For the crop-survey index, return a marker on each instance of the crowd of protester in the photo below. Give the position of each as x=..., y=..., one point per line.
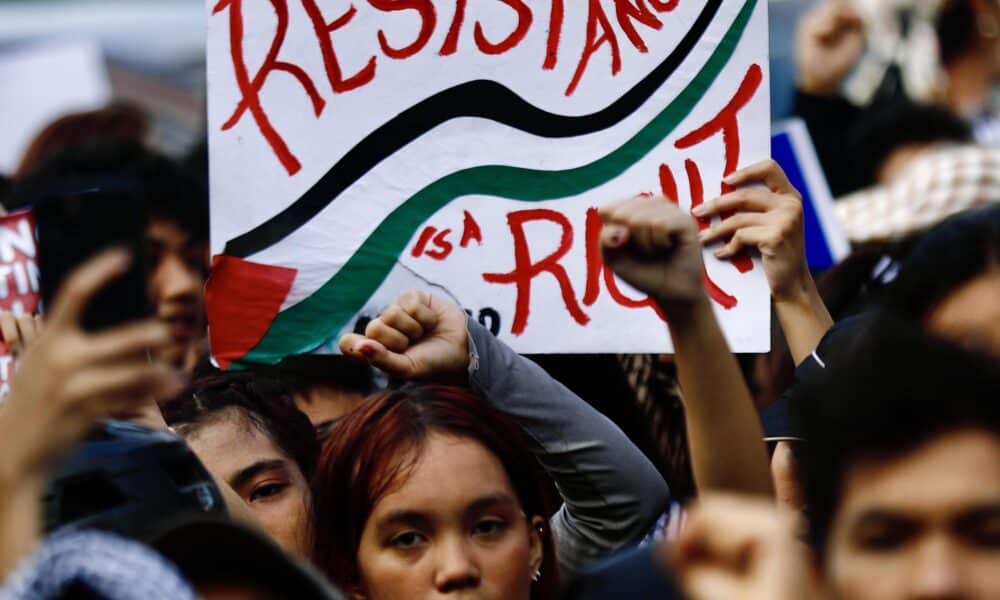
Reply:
x=860, y=459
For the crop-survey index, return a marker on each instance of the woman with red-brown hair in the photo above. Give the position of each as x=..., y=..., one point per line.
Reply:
x=429, y=491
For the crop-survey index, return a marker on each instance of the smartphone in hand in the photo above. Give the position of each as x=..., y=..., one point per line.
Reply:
x=77, y=223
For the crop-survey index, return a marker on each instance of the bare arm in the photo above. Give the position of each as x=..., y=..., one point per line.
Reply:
x=653, y=245
x=724, y=433
x=804, y=320
x=20, y=502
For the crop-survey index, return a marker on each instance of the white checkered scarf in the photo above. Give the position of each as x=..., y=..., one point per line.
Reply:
x=931, y=188
x=112, y=567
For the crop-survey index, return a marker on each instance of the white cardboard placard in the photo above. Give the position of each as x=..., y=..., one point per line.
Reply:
x=458, y=146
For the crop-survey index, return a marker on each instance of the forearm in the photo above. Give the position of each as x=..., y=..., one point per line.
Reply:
x=804, y=319
x=21, y=523
x=20, y=500
x=724, y=433
x=612, y=493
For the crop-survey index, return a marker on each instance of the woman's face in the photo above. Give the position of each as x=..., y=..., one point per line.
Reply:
x=454, y=529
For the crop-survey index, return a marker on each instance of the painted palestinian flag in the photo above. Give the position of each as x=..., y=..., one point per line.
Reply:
x=361, y=149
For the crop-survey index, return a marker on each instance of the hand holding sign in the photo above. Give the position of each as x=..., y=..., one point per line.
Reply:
x=653, y=245
x=69, y=378
x=768, y=217
x=417, y=337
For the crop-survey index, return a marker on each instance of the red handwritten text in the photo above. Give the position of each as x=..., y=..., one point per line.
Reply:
x=600, y=32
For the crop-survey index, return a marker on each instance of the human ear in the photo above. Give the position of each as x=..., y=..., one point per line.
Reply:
x=536, y=553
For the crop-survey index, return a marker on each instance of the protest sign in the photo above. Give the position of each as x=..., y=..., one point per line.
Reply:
x=42, y=83
x=361, y=149
x=19, y=278
x=792, y=148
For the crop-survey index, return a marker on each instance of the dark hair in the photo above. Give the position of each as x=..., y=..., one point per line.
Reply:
x=304, y=372
x=897, y=123
x=263, y=401
x=118, y=121
x=379, y=443
x=196, y=160
x=956, y=29
x=946, y=257
x=883, y=394
x=170, y=190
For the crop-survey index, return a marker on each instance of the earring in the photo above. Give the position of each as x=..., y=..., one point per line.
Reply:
x=537, y=575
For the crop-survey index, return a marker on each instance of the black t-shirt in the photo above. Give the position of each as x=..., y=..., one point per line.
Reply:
x=775, y=419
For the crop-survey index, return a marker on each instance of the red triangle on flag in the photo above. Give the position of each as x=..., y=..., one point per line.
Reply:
x=242, y=299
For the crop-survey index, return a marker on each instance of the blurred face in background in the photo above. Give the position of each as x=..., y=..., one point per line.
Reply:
x=238, y=453
x=326, y=405
x=970, y=315
x=923, y=525
x=895, y=164
x=177, y=271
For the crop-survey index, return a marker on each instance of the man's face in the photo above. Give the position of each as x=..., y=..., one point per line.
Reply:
x=921, y=526
x=239, y=454
x=178, y=265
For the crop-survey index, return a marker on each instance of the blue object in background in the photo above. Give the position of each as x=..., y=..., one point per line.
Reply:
x=792, y=148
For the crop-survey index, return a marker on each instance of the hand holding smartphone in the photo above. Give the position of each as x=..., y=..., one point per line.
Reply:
x=78, y=222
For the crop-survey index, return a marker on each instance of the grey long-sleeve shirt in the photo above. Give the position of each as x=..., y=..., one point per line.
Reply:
x=611, y=493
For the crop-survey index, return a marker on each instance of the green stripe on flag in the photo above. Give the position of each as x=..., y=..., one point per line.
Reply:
x=316, y=319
